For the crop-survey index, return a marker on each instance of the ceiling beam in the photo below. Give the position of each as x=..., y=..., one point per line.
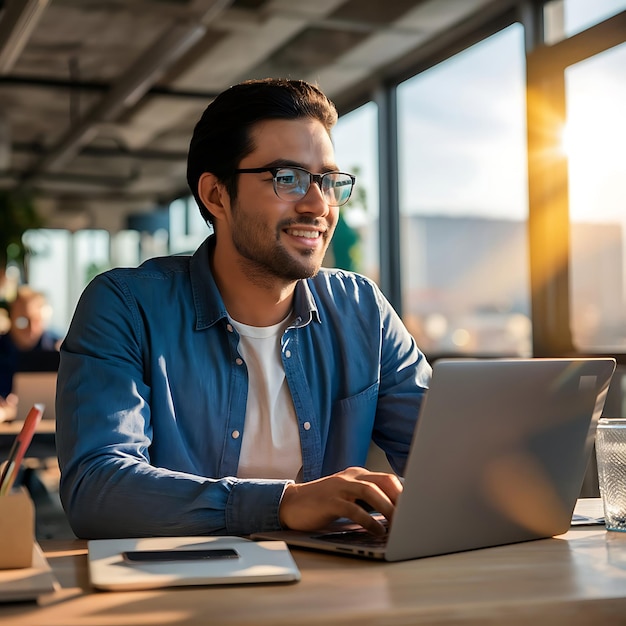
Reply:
x=108, y=152
x=45, y=82
x=18, y=22
x=130, y=88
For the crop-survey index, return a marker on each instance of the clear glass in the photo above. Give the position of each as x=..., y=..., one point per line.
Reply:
x=611, y=458
x=594, y=141
x=355, y=245
x=564, y=18
x=464, y=201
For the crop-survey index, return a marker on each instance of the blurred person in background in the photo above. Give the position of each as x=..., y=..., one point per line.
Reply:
x=27, y=345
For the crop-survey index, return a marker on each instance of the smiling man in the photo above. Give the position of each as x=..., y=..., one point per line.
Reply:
x=238, y=390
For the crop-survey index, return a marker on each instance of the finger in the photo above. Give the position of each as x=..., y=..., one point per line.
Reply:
x=372, y=495
x=388, y=483
x=357, y=514
x=11, y=399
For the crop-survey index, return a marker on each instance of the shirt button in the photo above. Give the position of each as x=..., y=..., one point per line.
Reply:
x=306, y=425
x=288, y=353
x=239, y=361
x=229, y=328
x=235, y=434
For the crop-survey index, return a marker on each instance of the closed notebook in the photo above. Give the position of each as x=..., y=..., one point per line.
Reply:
x=220, y=561
x=28, y=583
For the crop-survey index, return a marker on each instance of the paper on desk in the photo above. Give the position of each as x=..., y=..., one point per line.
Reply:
x=259, y=562
x=588, y=511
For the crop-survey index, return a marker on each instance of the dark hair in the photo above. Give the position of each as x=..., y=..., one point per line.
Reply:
x=221, y=138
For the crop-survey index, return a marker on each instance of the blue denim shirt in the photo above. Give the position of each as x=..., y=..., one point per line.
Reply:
x=152, y=395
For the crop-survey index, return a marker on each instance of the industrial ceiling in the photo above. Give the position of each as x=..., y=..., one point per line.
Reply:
x=98, y=98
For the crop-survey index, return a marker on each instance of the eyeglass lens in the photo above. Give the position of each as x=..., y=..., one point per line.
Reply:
x=293, y=184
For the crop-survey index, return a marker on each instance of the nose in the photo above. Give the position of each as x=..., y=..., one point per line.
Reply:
x=314, y=201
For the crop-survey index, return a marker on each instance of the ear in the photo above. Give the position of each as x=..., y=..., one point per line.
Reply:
x=213, y=195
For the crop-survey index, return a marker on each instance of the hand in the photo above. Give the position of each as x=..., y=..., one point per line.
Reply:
x=8, y=407
x=313, y=505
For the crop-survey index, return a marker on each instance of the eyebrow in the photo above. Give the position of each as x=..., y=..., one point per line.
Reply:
x=288, y=163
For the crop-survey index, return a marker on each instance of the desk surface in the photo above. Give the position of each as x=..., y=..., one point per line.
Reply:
x=576, y=578
x=45, y=427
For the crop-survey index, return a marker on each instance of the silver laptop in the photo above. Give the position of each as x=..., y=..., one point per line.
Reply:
x=35, y=388
x=498, y=456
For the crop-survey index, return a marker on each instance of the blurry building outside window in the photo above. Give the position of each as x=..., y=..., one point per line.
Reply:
x=464, y=201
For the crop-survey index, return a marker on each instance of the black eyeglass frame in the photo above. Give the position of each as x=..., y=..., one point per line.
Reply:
x=313, y=178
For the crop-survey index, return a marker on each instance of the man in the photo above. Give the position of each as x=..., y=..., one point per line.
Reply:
x=238, y=390
x=28, y=345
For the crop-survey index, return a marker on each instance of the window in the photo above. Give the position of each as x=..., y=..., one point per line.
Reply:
x=62, y=264
x=187, y=227
x=355, y=243
x=593, y=141
x=463, y=201
x=564, y=18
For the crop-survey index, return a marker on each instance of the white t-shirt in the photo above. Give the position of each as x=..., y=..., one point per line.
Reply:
x=270, y=447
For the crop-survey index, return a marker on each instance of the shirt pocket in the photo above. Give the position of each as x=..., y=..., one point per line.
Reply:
x=350, y=429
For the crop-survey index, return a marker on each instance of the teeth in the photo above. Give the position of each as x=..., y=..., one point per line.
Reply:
x=309, y=234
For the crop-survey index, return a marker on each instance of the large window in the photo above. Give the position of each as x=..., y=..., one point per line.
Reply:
x=463, y=201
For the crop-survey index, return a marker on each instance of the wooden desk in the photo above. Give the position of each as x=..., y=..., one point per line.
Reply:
x=577, y=578
x=13, y=428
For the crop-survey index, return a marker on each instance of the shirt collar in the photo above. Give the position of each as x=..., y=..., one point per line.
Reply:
x=208, y=301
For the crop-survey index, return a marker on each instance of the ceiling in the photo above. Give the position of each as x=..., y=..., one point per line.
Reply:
x=98, y=98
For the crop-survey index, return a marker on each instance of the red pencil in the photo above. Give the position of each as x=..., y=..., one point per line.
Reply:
x=19, y=447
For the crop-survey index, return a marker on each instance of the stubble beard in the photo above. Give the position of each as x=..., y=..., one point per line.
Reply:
x=264, y=264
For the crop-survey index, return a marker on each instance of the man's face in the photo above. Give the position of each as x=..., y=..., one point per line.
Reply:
x=29, y=318
x=276, y=238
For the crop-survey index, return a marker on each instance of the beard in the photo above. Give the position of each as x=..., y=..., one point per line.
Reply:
x=265, y=258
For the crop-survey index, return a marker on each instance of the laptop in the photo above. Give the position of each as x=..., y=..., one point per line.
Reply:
x=498, y=456
x=35, y=388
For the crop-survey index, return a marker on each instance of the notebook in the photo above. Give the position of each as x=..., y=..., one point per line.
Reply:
x=498, y=456
x=35, y=388
x=28, y=583
x=237, y=560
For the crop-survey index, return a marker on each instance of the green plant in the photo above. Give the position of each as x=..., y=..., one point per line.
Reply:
x=17, y=215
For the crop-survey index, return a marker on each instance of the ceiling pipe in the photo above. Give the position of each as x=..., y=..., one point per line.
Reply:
x=18, y=21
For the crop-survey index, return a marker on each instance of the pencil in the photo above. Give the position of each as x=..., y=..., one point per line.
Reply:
x=19, y=447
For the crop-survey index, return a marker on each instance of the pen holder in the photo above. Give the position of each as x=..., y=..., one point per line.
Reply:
x=17, y=529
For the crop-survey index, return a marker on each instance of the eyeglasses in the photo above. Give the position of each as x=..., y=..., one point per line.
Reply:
x=292, y=183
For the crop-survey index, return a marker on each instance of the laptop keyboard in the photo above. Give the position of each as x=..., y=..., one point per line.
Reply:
x=355, y=538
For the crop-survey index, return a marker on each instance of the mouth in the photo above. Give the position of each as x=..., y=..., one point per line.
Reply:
x=304, y=233
x=307, y=236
